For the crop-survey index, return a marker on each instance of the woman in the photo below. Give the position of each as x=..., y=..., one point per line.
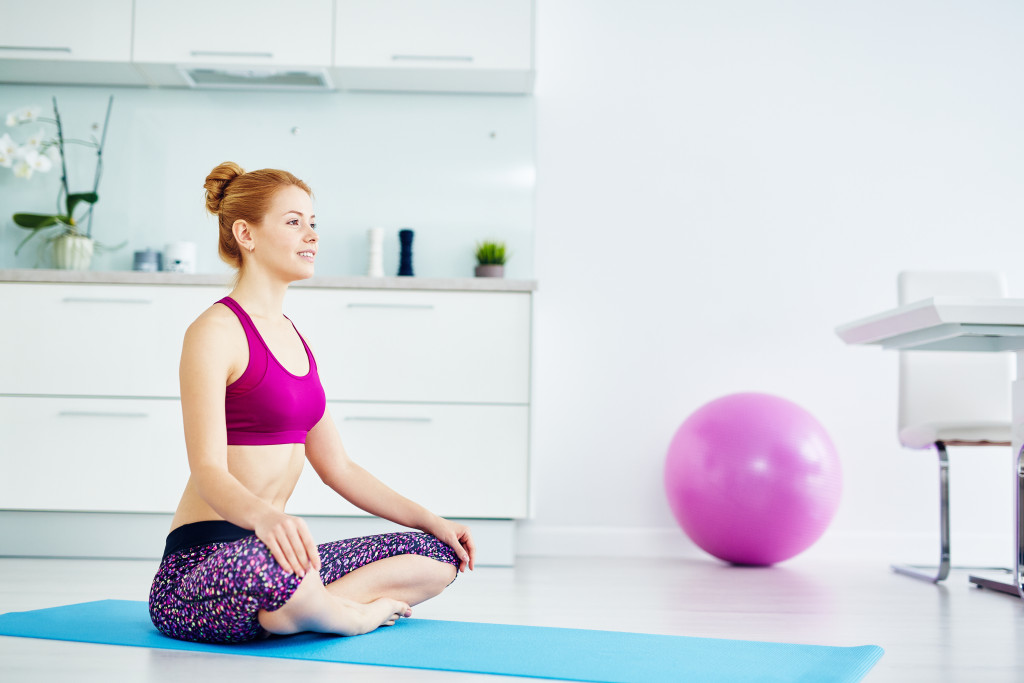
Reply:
x=236, y=566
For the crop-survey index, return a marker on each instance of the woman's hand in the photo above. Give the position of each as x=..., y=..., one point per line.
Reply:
x=289, y=541
x=456, y=536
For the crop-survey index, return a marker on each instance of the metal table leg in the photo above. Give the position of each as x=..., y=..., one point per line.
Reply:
x=1016, y=585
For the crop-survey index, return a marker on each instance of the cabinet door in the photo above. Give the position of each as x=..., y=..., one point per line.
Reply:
x=95, y=340
x=97, y=30
x=91, y=454
x=415, y=346
x=248, y=32
x=496, y=34
x=434, y=45
x=457, y=461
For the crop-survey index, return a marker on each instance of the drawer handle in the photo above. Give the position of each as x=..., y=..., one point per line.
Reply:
x=98, y=413
x=431, y=58
x=33, y=48
x=422, y=307
x=229, y=53
x=103, y=300
x=371, y=418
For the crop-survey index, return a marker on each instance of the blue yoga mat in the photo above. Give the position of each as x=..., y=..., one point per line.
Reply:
x=540, y=652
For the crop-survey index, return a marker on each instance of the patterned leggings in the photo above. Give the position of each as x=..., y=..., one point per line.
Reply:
x=213, y=593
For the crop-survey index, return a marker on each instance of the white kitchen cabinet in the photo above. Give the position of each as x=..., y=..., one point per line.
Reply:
x=98, y=30
x=434, y=45
x=472, y=456
x=233, y=32
x=91, y=454
x=96, y=340
x=415, y=346
x=173, y=38
x=67, y=41
x=430, y=391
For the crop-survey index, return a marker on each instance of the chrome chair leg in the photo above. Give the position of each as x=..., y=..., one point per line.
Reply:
x=935, y=574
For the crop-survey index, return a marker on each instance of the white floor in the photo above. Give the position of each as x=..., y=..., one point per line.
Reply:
x=930, y=633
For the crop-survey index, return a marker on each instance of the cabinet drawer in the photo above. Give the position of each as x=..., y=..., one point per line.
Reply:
x=404, y=346
x=96, y=340
x=245, y=32
x=457, y=461
x=91, y=454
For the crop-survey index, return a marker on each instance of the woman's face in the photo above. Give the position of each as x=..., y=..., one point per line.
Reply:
x=286, y=240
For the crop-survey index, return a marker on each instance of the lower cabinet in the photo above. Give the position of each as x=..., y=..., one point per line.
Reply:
x=91, y=454
x=457, y=461
x=430, y=391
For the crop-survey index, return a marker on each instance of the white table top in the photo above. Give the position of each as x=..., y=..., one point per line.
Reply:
x=943, y=323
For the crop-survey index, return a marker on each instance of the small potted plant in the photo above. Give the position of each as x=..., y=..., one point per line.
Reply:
x=490, y=259
x=73, y=244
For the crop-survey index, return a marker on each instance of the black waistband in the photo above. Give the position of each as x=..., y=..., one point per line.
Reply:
x=203, y=533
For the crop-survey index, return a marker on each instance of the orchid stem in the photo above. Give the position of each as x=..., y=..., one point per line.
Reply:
x=99, y=163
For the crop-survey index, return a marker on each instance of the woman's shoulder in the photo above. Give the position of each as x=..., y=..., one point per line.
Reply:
x=215, y=323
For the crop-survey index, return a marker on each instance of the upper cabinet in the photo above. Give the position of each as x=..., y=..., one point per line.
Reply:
x=67, y=41
x=400, y=45
x=434, y=45
x=202, y=43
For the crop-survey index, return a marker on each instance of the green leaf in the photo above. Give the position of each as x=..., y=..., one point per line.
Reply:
x=36, y=221
x=488, y=253
x=74, y=199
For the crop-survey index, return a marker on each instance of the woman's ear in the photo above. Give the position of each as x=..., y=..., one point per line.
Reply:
x=243, y=235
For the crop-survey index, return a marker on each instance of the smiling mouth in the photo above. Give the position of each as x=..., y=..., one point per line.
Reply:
x=307, y=254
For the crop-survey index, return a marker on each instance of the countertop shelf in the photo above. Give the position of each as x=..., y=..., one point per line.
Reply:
x=129, y=277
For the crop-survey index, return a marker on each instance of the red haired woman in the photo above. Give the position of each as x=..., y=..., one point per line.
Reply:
x=236, y=566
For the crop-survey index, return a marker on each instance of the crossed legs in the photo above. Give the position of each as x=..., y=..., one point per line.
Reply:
x=232, y=591
x=376, y=594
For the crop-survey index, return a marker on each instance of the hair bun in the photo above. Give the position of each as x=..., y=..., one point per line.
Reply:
x=217, y=182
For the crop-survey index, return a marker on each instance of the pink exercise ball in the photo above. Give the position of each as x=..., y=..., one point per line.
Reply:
x=752, y=479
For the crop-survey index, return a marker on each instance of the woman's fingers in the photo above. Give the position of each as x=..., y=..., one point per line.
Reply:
x=291, y=544
x=467, y=543
x=464, y=548
x=298, y=557
x=312, y=552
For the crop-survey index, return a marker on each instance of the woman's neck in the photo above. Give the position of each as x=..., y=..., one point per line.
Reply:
x=259, y=296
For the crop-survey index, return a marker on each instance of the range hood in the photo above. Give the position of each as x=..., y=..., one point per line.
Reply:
x=262, y=78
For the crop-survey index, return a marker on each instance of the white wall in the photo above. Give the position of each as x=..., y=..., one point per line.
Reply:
x=721, y=184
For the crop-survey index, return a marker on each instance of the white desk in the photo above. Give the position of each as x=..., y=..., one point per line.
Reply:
x=949, y=323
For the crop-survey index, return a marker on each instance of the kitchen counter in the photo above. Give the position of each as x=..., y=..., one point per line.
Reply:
x=130, y=277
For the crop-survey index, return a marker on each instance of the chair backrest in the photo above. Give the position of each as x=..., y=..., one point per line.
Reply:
x=957, y=394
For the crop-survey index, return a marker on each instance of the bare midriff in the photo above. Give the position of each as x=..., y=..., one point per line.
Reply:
x=268, y=472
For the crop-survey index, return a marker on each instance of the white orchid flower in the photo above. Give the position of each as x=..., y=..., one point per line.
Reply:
x=23, y=115
x=39, y=162
x=22, y=169
x=53, y=152
x=28, y=161
x=37, y=139
x=7, y=151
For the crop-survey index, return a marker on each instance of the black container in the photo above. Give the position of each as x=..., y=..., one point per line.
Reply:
x=405, y=259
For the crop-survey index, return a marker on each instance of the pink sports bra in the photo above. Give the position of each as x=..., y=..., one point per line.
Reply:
x=267, y=404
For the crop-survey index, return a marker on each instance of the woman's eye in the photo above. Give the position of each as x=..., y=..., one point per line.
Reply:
x=313, y=225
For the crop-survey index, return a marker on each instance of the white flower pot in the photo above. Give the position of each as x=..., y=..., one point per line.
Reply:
x=72, y=252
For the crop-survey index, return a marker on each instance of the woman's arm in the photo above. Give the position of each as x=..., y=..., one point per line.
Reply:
x=327, y=455
x=206, y=363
